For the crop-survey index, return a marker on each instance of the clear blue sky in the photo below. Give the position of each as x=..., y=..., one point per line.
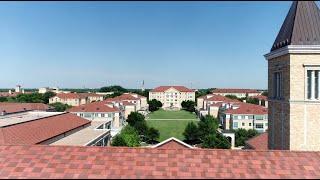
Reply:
x=93, y=44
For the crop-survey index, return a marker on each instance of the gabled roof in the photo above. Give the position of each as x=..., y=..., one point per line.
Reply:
x=260, y=97
x=300, y=27
x=247, y=108
x=220, y=98
x=172, y=143
x=21, y=107
x=77, y=95
x=229, y=90
x=94, y=107
x=41, y=161
x=259, y=142
x=39, y=130
x=178, y=88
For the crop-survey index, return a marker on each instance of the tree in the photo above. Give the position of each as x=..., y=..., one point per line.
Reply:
x=114, y=88
x=138, y=121
x=242, y=135
x=128, y=136
x=154, y=105
x=231, y=96
x=207, y=125
x=3, y=99
x=216, y=140
x=47, y=95
x=152, y=135
x=191, y=133
x=265, y=93
x=252, y=101
x=59, y=107
x=188, y=105
x=118, y=141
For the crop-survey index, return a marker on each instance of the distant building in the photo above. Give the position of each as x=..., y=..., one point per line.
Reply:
x=54, y=89
x=107, y=114
x=172, y=96
x=240, y=93
x=31, y=123
x=75, y=99
x=244, y=115
x=210, y=104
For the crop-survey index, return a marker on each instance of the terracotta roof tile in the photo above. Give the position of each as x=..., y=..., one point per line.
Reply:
x=77, y=95
x=234, y=91
x=36, y=131
x=20, y=107
x=247, y=108
x=94, y=107
x=259, y=142
x=260, y=97
x=216, y=97
x=117, y=162
x=164, y=88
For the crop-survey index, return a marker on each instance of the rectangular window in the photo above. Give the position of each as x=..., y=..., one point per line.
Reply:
x=243, y=124
x=259, y=126
x=235, y=125
x=313, y=84
x=277, y=85
x=249, y=124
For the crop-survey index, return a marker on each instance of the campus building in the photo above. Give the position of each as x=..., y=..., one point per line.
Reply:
x=244, y=115
x=210, y=104
x=293, y=81
x=31, y=123
x=240, y=93
x=75, y=99
x=171, y=97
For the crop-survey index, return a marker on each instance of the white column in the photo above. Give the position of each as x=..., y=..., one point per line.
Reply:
x=313, y=84
x=318, y=96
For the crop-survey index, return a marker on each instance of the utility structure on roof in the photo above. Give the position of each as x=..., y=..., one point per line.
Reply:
x=294, y=81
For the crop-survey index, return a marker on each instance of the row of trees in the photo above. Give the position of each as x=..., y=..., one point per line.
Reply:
x=135, y=132
x=30, y=98
x=205, y=133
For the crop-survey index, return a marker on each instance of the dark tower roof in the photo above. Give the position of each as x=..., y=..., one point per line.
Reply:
x=301, y=26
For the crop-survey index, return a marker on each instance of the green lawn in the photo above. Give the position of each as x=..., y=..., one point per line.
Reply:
x=174, y=125
x=162, y=114
x=169, y=128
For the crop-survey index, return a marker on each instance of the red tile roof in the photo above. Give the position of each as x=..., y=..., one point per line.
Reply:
x=260, y=97
x=37, y=131
x=77, y=95
x=21, y=107
x=247, y=108
x=227, y=90
x=122, y=97
x=40, y=161
x=259, y=142
x=127, y=103
x=94, y=107
x=220, y=98
x=178, y=88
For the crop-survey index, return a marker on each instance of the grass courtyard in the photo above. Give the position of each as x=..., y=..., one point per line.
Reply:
x=170, y=123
